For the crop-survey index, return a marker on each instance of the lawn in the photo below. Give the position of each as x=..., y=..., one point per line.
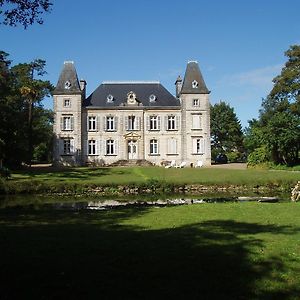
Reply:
x=206, y=251
x=126, y=175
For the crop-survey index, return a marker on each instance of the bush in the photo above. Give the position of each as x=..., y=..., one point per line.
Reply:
x=258, y=156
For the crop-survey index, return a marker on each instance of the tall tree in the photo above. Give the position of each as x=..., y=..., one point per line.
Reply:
x=226, y=129
x=279, y=120
x=22, y=116
x=32, y=91
x=24, y=12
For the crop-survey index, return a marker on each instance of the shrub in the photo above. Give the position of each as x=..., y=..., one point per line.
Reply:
x=258, y=156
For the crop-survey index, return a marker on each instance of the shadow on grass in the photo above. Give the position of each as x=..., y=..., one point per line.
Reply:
x=68, y=173
x=92, y=255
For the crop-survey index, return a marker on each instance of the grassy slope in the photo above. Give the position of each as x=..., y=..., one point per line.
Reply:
x=209, y=251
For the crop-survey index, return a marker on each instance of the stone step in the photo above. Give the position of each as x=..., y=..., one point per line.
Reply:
x=131, y=163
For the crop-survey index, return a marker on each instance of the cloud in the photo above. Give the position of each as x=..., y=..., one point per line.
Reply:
x=258, y=78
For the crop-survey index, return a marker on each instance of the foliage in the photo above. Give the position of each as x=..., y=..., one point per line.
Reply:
x=278, y=126
x=23, y=12
x=258, y=156
x=226, y=130
x=24, y=124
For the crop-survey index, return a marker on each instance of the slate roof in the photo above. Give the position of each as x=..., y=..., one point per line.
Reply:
x=193, y=73
x=119, y=91
x=68, y=73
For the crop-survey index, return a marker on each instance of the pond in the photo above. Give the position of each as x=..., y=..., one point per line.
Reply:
x=83, y=202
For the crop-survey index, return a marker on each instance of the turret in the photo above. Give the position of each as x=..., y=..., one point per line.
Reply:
x=67, y=98
x=195, y=109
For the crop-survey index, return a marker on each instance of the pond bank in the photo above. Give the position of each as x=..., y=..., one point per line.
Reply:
x=151, y=187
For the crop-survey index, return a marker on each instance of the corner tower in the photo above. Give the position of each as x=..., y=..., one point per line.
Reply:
x=195, y=119
x=67, y=97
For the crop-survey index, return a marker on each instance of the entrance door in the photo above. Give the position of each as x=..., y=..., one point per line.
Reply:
x=132, y=149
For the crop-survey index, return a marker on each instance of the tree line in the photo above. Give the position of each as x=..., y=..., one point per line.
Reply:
x=274, y=137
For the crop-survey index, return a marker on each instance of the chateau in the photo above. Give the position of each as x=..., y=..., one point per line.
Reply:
x=131, y=122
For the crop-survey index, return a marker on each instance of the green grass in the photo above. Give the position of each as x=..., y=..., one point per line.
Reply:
x=208, y=251
x=143, y=174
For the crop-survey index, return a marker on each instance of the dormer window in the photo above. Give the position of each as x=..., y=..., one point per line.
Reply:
x=110, y=98
x=152, y=98
x=131, y=98
x=67, y=85
x=194, y=84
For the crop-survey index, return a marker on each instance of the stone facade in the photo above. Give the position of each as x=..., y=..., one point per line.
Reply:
x=131, y=121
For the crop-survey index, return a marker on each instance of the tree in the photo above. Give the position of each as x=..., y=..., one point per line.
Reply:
x=226, y=129
x=278, y=126
x=24, y=123
x=32, y=91
x=24, y=12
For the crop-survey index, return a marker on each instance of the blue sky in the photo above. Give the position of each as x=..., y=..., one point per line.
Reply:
x=239, y=44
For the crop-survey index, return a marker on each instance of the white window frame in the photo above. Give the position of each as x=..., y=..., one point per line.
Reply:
x=153, y=147
x=65, y=100
x=67, y=123
x=132, y=123
x=110, y=147
x=110, y=123
x=154, y=123
x=198, y=145
x=92, y=123
x=92, y=147
x=67, y=146
x=171, y=123
x=196, y=102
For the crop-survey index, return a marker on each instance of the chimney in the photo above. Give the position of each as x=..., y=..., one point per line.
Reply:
x=178, y=84
x=82, y=84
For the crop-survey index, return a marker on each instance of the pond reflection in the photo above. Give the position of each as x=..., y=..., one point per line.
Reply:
x=90, y=203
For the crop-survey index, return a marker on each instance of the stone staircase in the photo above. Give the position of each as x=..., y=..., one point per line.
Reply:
x=131, y=163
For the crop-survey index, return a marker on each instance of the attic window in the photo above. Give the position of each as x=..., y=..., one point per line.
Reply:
x=152, y=98
x=194, y=84
x=110, y=98
x=67, y=85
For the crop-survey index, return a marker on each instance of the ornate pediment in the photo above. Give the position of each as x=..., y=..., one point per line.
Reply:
x=132, y=136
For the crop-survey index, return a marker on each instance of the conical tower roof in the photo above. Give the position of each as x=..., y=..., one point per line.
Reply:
x=68, y=81
x=193, y=82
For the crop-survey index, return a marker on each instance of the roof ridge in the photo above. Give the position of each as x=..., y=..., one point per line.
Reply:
x=131, y=82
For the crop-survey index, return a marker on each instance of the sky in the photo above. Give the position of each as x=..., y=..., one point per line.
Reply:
x=239, y=44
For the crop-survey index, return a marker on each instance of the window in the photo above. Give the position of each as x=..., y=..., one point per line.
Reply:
x=67, y=123
x=67, y=146
x=92, y=123
x=152, y=98
x=197, y=120
x=194, y=84
x=171, y=123
x=196, y=102
x=154, y=123
x=110, y=123
x=110, y=98
x=67, y=103
x=153, y=147
x=198, y=145
x=92, y=147
x=172, y=146
x=110, y=147
x=132, y=123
